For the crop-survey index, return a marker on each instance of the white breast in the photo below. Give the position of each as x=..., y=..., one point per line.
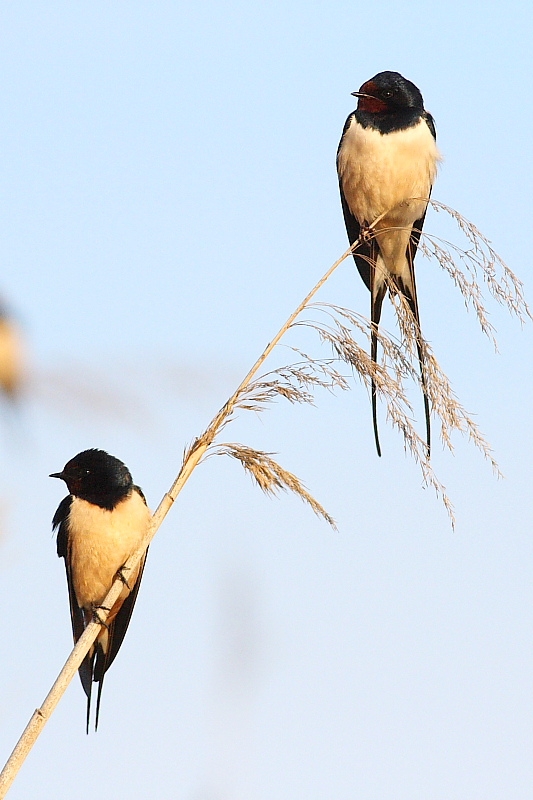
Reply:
x=381, y=172
x=100, y=541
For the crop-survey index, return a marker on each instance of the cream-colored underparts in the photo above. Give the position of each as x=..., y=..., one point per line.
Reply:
x=388, y=176
x=100, y=542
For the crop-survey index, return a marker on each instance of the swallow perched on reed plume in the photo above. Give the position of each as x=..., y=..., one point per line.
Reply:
x=100, y=524
x=387, y=162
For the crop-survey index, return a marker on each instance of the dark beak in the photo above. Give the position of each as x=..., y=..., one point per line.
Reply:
x=360, y=94
x=59, y=475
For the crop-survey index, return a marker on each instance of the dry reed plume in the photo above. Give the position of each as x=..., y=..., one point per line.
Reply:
x=337, y=327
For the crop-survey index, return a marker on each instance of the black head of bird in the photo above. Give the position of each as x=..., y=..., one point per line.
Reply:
x=97, y=477
x=389, y=92
x=389, y=102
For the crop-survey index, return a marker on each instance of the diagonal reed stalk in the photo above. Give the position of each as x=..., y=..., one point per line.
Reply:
x=296, y=383
x=192, y=457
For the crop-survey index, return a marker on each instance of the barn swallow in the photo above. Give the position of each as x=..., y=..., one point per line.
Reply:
x=387, y=162
x=100, y=523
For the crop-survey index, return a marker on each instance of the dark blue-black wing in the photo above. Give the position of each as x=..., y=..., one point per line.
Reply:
x=116, y=631
x=411, y=297
x=363, y=257
x=77, y=618
x=419, y=224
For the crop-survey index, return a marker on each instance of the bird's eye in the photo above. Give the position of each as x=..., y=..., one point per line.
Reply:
x=87, y=471
x=387, y=93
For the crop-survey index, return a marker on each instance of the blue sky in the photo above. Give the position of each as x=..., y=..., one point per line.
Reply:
x=168, y=195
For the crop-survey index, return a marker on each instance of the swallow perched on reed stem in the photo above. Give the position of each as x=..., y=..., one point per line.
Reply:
x=387, y=162
x=100, y=524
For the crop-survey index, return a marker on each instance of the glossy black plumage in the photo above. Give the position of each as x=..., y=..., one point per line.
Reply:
x=100, y=482
x=388, y=123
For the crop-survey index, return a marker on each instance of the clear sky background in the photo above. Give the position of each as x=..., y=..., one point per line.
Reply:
x=168, y=196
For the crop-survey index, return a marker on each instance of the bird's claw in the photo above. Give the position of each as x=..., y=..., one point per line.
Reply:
x=96, y=616
x=365, y=233
x=122, y=577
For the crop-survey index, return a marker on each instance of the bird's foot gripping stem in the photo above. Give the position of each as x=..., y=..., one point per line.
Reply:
x=96, y=616
x=122, y=577
x=366, y=233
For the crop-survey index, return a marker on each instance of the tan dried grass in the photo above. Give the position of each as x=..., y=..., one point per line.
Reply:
x=298, y=382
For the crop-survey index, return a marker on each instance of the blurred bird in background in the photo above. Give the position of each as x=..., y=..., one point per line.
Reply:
x=11, y=355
